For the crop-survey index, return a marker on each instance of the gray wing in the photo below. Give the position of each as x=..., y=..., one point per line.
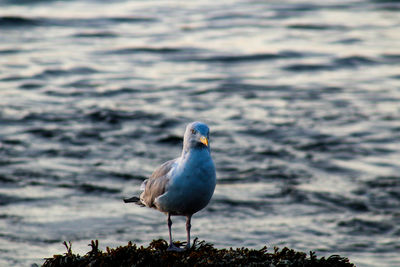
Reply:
x=156, y=185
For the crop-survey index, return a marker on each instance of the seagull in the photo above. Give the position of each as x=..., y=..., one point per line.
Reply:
x=182, y=186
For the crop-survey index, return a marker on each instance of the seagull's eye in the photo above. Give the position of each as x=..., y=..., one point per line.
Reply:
x=193, y=131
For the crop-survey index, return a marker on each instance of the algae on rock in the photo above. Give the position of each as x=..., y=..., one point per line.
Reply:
x=200, y=254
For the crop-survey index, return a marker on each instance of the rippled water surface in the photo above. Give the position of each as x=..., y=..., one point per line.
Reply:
x=302, y=98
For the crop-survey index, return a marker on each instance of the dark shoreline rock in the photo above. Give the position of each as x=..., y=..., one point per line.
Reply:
x=200, y=254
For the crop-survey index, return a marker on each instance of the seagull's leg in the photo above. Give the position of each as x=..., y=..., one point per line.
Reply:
x=188, y=226
x=169, y=229
x=171, y=246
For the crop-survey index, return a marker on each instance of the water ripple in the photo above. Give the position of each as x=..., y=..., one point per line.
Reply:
x=301, y=98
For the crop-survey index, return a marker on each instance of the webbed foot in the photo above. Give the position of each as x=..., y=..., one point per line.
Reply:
x=172, y=247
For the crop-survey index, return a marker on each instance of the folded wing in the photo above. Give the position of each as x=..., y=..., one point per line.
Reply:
x=157, y=184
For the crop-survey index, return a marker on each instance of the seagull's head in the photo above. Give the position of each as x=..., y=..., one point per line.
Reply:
x=196, y=136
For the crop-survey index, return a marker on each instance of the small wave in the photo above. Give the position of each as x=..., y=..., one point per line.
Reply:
x=270, y=133
x=292, y=10
x=125, y=176
x=61, y=72
x=206, y=79
x=276, y=172
x=299, y=7
x=97, y=22
x=48, y=117
x=81, y=83
x=49, y=73
x=16, y=21
x=256, y=205
x=338, y=63
x=308, y=67
x=10, y=51
x=28, y=175
x=336, y=201
x=382, y=193
x=102, y=21
x=168, y=123
x=296, y=195
x=117, y=92
x=76, y=154
x=349, y=41
x=331, y=167
x=99, y=34
x=28, y=239
x=45, y=133
x=391, y=58
x=117, y=116
x=357, y=226
x=246, y=58
x=387, y=5
x=13, y=78
x=23, y=2
x=151, y=50
x=6, y=179
x=171, y=140
x=7, y=199
x=132, y=19
x=323, y=143
x=89, y=134
x=30, y=86
x=92, y=188
x=13, y=218
x=13, y=142
x=19, y=21
x=5, y=162
x=240, y=58
x=353, y=61
x=317, y=27
x=385, y=182
x=230, y=16
x=243, y=87
x=276, y=153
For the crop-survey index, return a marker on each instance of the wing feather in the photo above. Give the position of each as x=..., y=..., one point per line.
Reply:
x=157, y=184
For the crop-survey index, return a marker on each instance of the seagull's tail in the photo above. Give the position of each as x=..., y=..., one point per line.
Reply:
x=135, y=200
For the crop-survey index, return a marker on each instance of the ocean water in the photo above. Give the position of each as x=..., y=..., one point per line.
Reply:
x=302, y=98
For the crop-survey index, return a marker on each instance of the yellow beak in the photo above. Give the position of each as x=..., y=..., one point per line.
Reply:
x=204, y=140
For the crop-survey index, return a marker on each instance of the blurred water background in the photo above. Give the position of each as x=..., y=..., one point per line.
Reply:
x=302, y=98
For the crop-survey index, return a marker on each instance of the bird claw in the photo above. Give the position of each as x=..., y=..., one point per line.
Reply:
x=174, y=248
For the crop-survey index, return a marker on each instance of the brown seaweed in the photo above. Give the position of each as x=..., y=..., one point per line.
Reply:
x=200, y=254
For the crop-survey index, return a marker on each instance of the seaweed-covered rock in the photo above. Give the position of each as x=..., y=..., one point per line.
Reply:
x=200, y=254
